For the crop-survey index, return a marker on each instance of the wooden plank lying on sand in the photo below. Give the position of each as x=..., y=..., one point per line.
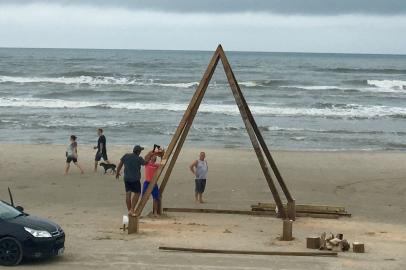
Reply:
x=301, y=211
x=245, y=212
x=307, y=207
x=249, y=252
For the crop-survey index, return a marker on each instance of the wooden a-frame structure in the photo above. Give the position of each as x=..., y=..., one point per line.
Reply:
x=260, y=147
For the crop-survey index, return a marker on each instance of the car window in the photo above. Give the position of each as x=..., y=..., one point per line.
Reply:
x=7, y=211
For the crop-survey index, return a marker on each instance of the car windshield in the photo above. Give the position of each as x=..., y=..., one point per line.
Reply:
x=8, y=212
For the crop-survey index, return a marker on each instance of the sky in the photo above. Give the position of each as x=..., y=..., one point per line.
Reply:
x=334, y=26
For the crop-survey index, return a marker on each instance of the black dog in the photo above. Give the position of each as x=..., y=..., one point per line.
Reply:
x=107, y=167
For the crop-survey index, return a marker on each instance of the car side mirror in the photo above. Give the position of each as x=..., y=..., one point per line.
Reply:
x=20, y=208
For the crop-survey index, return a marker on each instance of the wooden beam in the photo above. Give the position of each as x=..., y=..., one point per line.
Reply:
x=248, y=124
x=244, y=212
x=216, y=211
x=302, y=207
x=199, y=91
x=250, y=252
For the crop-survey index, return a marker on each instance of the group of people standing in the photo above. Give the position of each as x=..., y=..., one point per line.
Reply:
x=132, y=163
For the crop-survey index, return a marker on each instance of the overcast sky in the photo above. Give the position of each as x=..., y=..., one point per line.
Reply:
x=348, y=26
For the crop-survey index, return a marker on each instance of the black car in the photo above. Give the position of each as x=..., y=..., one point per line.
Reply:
x=25, y=236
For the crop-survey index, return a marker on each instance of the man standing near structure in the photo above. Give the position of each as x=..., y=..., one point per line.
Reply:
x=101, y=149
x=132, y=163
x=199, y=169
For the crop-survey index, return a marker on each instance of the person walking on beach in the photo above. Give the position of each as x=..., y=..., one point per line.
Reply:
x=132, y=163
x=199, y=169
x=72, y=155
x=150, y=169
x=101, y=149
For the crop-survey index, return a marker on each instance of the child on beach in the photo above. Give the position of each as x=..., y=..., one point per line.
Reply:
x=72, y=155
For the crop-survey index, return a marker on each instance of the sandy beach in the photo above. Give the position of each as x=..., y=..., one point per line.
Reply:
x=89, y=207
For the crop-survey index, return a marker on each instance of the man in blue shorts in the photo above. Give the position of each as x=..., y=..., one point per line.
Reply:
x=132, y=163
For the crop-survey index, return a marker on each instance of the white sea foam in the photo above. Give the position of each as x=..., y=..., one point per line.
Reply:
x=387, y=85
x=93, y=80
x=179, y=85
x=315, y=87
x=98, y=80
x=350, y=111
x=249, y=84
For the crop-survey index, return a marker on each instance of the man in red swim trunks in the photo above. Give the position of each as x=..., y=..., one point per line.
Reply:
x=150, y=169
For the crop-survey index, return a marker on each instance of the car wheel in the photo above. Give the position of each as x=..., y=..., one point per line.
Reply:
x=11, y=252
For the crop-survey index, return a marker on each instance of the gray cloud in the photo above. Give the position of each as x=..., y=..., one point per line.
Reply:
x=285, y=7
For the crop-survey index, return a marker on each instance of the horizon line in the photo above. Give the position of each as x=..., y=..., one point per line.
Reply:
x=197, y=50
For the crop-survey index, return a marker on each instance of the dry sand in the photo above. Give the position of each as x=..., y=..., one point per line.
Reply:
x=371, y=185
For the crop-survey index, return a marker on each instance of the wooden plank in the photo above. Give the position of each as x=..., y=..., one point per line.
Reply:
x=199, y=91
x=216, y=211
x=305, y=212
x=250, y=252
x=247, y=121
x=307, y=207
x=244, y=212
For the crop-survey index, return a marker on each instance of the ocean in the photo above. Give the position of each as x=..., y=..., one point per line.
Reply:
x=301, y=101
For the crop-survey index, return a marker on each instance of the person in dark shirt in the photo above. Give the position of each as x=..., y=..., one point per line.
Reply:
x=101, y=149
x=132, y=163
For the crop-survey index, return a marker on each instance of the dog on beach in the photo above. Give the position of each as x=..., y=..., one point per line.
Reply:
x=106, y=167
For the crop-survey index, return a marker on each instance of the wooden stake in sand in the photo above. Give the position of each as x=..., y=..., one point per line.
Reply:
x=250, y=252
x=132, y=224
x=287, y=230
x=313, y=242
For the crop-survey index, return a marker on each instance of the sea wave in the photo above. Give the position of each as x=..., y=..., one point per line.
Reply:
x=363, y=70
x=347, y=111
x=96, y=80
x=384, y=86
x=388, y=85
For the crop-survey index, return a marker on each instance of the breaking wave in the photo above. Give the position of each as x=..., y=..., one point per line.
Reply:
x=339, y=111
x=95, y=80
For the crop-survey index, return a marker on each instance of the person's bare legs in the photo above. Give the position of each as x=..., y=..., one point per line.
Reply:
x=201, y=198
x=80, y=167
x=155, y=204
x=95, y=166
x=128, y=201
x=134, y=201
x=67, y=165
x=196, y=197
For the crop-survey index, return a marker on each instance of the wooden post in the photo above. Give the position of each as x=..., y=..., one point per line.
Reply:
x=291, y=209
x=358, y=247
x=287, y=230
x=133, y=225
x=243, y=111
x=198, y=93
x=313, y=242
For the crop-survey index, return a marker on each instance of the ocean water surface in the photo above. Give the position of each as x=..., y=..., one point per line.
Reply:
x=299, y=100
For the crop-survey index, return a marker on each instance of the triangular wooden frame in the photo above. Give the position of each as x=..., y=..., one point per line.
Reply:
x=258, y=143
